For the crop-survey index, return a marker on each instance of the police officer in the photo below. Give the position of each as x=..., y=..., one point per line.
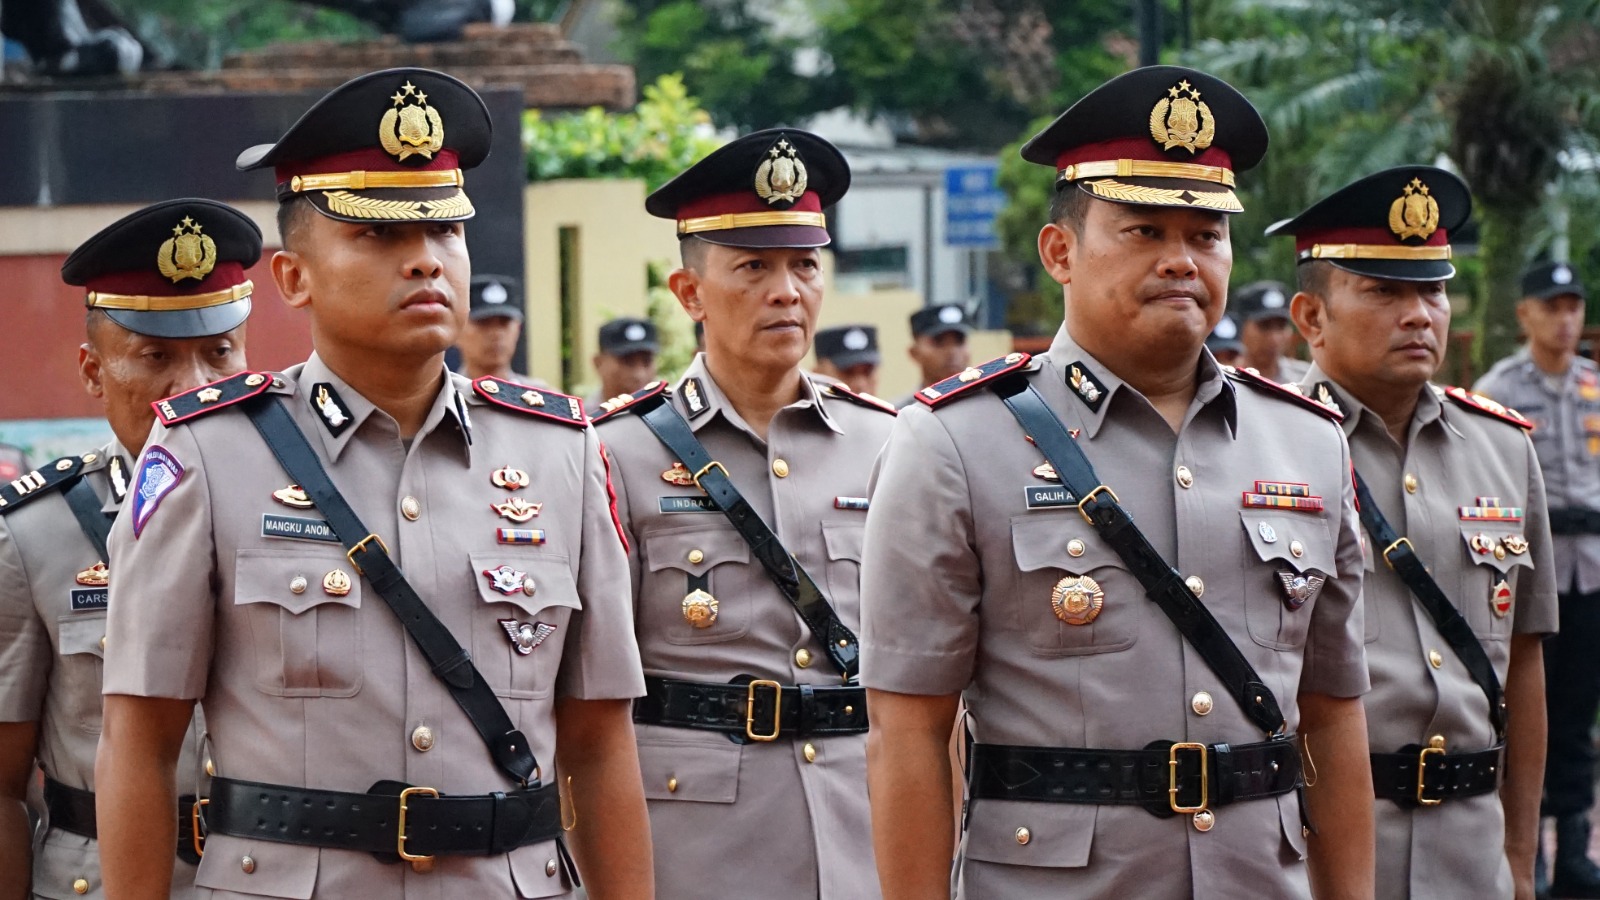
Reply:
x=1265, y=332
x=167, y=299
x=1459, y=586
x=743, y=492
x=400, y=596
x=938, y=345
x=488, y=341
x=626, y=360
x=849, y=353
x=1559, y=391
x=1123, y=747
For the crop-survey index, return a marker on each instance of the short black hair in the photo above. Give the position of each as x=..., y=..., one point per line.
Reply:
x=291, y=220
x=1069, y=207
x=1311, y=277
x=692, y=250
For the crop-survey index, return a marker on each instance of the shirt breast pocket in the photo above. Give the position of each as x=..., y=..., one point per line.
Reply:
x=1074, y=597
x=304, y=610
x=1487, y=593
x=81, y=643
x=697, y=588
x=1287, y=559
x=517, y=638
x=843, y=541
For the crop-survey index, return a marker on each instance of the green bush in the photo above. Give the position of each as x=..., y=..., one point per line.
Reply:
x=664, y=134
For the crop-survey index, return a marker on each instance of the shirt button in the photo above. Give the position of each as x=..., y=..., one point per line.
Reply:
x=1185, y=477
x=550, y=868
x=410, y=508
x=1435, y=659
x=81, y=886
x=1204, y=820
x=802, y=657
x=102, y=643
x=1024, y=835
x=211, y=768
x=810, y=751
x=297, y=584
x=672, y=785
x=248, y=864
x=1195, y=585
x=1297, y=549
x=422, y=738
x=696, y=557
x=780, y=468
x=1411, y=483
x=1201, y=703
x=1075, y=548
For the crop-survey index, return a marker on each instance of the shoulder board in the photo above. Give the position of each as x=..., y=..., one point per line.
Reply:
x=1482, y=405
x=625, y=402
x=40, y=481
x=211, y=397
x=1287, y=392
x=867, y=400
x=540, y=402
x=943, y=392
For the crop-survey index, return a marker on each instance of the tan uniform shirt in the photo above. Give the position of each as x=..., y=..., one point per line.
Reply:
x=1453, y=457
x=759, y=819
x=51, y=628
x=304, y=688
x=1565, y=410
x=956, y=589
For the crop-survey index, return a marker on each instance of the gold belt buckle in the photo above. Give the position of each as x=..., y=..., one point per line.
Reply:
x=362, y=545
x=1172, y=776
x=750, y=710
x=1435, y=746
x=194, y=826
x=400, y=845
x=1090, y=496
x=1391, y=548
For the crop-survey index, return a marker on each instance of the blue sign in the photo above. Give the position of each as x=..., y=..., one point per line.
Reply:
x=972, y=199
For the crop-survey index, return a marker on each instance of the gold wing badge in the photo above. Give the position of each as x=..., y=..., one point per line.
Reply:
x=411, y=127
x=188, y=253
x=1182, y=119
x=1414, y=214
x=781, y=177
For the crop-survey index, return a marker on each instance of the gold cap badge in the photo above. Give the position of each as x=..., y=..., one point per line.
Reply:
x=411, y=127
x=1414, y=214
x=188, y=253
x=1182, y=119
x=781, y=177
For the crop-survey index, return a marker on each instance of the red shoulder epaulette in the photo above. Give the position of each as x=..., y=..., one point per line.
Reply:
x=1283, y=391
x=541, y=402
x=211, y=397
x=624, y=401
x=867, y=400
x=942, y=392
x=1478, y=403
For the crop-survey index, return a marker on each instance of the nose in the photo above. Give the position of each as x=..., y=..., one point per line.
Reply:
x=422, y=258
x=785, y=289
x=1177, y=262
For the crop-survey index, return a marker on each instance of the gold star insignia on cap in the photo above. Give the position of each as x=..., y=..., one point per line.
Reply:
x=187, y=254
x=411, y=129
x=781, y=177
x=1182, y=120
x=1414, y=214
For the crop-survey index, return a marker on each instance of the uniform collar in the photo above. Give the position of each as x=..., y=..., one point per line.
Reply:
x=119, y=474
x=1430, y=406
x=1211, y=385
x=344, y=405
x=713, y=402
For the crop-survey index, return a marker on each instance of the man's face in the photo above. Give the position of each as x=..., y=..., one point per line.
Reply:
x=759, y=305
x=1378, y=332
x=1146, y=282
x=129, y=371
x=1266, y=340
x=940, y=356
x=488, y=343
x=861, y=377
x=1553, y=325
x=626, y=373
x=396, y=289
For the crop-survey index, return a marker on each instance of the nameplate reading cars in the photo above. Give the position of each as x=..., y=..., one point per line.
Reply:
x=296, y=528
x=687, y=505
x=90, y=599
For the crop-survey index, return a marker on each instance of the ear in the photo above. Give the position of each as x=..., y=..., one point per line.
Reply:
x=1055, y=250
x=89, y=372
x=289, y=270
x=1523, y=312
x=1310, y=315
x=685, y=285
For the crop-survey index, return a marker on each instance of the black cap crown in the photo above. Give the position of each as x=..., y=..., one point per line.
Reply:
x=1552, y=279
x=1260, y=300
x=619, y=337
x=848, y=345
x=495, y=295
x=936, y=320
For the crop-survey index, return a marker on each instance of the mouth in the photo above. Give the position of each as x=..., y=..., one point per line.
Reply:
x=1176, y=297
x=426, y=300
x=784, y=325
x=1415, y=348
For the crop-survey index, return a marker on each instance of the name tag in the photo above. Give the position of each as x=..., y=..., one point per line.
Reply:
x=687, y=505
x=295, y=528
x=90, y=599
x=1048, y=496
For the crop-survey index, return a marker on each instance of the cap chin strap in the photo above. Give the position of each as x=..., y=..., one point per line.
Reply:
x=1140, y=168
x=1374, y=251
x=727, y=221
x=362, y=180
x=147, y=303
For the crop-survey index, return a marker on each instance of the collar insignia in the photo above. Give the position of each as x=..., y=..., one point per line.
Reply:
x=332, y=410
x=118, y=471
x=694, y=398
x=1087, y=387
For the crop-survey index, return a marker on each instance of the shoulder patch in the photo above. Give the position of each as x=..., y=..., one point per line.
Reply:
x=1484, y=406
x=625, y=402
x=40, y=481
x=541, y=402
x=1283, y=392
x=867, y=400
x=211, y=397
x=942, y=392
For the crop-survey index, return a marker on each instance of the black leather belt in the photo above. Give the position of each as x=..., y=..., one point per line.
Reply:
x=1574, y=521
x=752, y=709
x=72, y=809
x=1165, y=778
x=392, y=819
x=1428, y=776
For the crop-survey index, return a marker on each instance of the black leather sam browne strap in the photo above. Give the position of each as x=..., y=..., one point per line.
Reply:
x=798, y=587
x=1162, y=583
x=451, y=663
